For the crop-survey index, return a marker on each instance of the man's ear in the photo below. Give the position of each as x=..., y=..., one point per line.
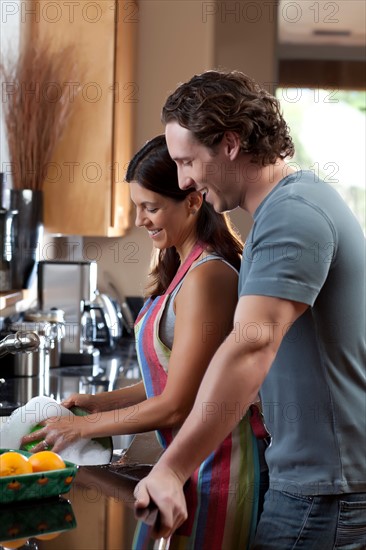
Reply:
x=232, y=144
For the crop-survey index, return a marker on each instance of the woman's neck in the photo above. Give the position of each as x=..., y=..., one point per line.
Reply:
x=185, y=250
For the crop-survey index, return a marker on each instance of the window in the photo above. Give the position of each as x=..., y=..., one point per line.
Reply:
x=329, y=130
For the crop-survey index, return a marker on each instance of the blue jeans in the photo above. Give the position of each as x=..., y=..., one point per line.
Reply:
x=330, y=522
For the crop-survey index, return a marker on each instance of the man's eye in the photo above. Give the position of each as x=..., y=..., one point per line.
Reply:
x=187, y=163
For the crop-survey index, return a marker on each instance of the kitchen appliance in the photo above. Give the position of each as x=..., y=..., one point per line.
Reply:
x=125, y=307
x=68, y=286
x=7, y=248
x=102, y=322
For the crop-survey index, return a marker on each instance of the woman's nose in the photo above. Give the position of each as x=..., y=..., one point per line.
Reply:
x=139, y=219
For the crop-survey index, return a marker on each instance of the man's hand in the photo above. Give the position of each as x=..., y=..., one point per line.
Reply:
x=163, y=488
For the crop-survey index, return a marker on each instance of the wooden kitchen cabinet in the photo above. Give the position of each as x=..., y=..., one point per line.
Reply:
x=85, y=193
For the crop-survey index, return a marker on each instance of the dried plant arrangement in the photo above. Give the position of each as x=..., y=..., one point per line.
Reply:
x=38, y=92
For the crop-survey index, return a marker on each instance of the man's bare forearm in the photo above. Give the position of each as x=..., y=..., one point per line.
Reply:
x=230, y=385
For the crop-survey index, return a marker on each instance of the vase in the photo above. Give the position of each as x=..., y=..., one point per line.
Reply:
x=28, y=235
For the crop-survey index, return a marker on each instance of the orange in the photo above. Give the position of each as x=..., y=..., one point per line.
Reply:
x=48, y=536
x=46, y=460
x=14, y=543
x=14, y=464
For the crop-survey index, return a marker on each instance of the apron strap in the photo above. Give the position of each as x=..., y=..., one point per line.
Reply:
x=192, y=256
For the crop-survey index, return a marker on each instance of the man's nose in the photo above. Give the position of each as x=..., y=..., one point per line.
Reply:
x=186, y=182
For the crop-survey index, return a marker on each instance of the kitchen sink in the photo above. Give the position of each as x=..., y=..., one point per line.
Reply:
x=121, y=442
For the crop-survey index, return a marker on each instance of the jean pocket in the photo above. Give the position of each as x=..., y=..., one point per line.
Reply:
x=299, y=496
x=351, y=529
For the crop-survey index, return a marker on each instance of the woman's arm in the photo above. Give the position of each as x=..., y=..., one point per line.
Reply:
x=108, y=400
x=204, y=316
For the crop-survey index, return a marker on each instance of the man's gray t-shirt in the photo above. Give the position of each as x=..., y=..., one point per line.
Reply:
x=306, y=246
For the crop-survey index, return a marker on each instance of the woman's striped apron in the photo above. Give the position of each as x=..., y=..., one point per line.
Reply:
x=222, y=495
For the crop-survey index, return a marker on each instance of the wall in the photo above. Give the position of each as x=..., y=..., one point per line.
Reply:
x=9, y=46
x=245, y=39
x=176, y=40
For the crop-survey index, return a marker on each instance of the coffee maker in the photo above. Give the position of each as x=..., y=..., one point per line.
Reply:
x=68, y=286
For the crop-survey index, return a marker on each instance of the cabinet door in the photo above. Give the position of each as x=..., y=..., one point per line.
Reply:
x=85, y=193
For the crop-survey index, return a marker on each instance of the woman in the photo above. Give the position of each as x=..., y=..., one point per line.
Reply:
x=192, y=294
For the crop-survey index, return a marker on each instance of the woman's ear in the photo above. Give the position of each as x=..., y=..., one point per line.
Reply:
x=195, y=200
x=232, y=144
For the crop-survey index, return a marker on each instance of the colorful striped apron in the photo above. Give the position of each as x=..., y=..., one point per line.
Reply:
x=222, y=494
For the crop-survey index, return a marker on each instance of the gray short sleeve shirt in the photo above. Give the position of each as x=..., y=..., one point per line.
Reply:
x=305, y=245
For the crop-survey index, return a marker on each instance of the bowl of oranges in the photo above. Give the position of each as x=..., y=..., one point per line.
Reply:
x=26, y=476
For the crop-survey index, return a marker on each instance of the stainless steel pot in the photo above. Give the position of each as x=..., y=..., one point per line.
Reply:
x=29, y=351
x=49, y=352
x=51, y=324
x=36, y=363
x=54, y=315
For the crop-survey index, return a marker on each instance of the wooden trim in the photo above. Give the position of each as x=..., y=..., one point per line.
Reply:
x=313, y=73
x=124, y=107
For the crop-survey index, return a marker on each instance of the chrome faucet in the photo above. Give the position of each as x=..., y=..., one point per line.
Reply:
x=21, y=341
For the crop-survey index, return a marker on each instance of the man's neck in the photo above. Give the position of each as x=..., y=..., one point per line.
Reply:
x=267, y=177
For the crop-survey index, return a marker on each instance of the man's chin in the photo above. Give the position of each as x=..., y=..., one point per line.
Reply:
x=212, y=201
x=218, y=206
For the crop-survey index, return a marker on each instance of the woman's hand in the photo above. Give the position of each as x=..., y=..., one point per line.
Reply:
x=86, y=402
x=57, y=432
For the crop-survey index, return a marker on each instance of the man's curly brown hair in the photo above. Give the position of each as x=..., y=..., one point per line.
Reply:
x=215, y=102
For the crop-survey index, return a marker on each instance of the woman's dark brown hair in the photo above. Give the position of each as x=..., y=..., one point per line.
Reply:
x=153, y=168
x=215, y=102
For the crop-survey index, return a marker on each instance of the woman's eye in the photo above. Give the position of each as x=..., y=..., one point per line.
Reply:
x=152, y=210
x=187, y=163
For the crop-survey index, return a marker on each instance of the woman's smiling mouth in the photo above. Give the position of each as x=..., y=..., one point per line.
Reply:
x=153, y=232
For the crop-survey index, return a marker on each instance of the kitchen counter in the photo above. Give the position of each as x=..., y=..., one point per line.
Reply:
x=101, y=497
x=99, y=513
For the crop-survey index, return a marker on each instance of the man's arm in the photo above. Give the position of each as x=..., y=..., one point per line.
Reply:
x=229, y=386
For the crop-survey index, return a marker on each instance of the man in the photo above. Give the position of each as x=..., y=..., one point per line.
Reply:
x=299, y=327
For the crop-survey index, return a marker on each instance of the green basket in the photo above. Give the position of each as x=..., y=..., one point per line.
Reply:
x=38, y=485
x=33, y=519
